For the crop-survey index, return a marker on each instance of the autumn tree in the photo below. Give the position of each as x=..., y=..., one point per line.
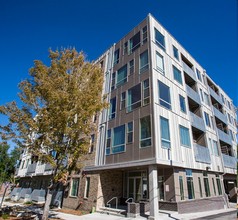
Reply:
x=58, y=103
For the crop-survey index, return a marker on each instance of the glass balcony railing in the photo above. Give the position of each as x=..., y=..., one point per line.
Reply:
x=220, y=115
x=189, y=71
x=224, y=137
x=31, y=168
x=215, y=95
x=193, y=94
x=197, y=122
x=202, y=154
x=229, y=161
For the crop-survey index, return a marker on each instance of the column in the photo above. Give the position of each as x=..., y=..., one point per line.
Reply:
x=153, y=192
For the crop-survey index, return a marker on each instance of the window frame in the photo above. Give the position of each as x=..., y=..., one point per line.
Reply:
x=183, y=108
x=175, y=53
x=177, y=74
x=163, y=102
x=158, y=41
x=188, y=134
x=71, y=187
x=163, y=139
x=161, y=70
x=145, y=67
x=148, y=138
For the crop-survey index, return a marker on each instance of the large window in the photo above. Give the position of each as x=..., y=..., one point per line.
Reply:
x=159, y=39
x=182, y=103
x=118, y=144
x=129, y=131
x=160, y=63
x=165, y=134
x=184, y=136
x=122, y=75
x=145, y=132
x=164, y=95
x=175, y=51
x=74, y=187
x=87, y=187
x=146, y=92
x=206, y=184
x=177, y=75
x=134, y=43
x=116, y=56
x=134, y=98
x=112, y=113
x=190, y=186
x=144, y=62
x=207, y=119
x=181, y=187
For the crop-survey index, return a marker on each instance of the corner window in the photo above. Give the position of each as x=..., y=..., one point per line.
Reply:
x=134, y=43
x=177, y=75
x=184, y=136
x=146, y=92
x=182, y=104
x=118, y=144
x=144, y=62
x=175, y=51
x=145, y=132
x=144, y=34
x=87, y=187
x=165, y=134
x=160, y=63
x=112, y=113
x=129, y=132
x=164, y=95
x=134, y=98
x=122, y=75
x=116, y=56
x=74, y=187
x=159, y=39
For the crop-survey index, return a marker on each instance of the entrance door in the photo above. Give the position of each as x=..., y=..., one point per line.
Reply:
x=135, y=188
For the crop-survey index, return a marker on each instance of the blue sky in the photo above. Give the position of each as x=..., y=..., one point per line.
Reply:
x=206, y=28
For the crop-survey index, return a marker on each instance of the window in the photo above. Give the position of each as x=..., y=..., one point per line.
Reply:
x=87, y=187
x=146, y=92
x=134, y=98
x=206, y=99
x=207, y=119
x=199, y=75
x=92, y=140
x=122, y=75
x=177, y=75
x=113, y=81
x=215, y=148
x=123, y=100
x=160, y=63
x=74, y=187
x=130, y=132
x=112, y=113
x=223, y=100
x=200, y=186
x=116, y=56
x=131, y=67
x=108, y=145
x=206, y=184
x=218, y=184
x=159, y=39
x=164, y=95
x=229, y=105
x=144, y=34
x=118, y=144
x=144, y=62
x=190, y=186
x=134, y=43
x=165, y=134
x=201, y=94
x=175, y=51
x=184, y=136
x=126, y=47
x=145, y=132
x=229, y=117
x=214, y=188
x=182, y=103
x=181, y=187
x=231, y=134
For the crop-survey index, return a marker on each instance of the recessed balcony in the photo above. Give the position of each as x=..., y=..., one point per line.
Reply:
x=193, y=94
x=197, y=122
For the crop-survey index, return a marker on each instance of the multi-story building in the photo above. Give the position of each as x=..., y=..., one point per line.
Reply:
x=169, y=136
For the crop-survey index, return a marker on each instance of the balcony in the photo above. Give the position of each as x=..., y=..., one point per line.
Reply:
x=193, y=94
x=197, y=122
x=202, y=154
x=224, y=137
x=189, y=71
x=220, y=115
x=215, y=95
x=48, y=167
x=229, y=161
x=31, y=168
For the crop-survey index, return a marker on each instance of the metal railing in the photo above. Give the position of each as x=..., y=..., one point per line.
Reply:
x=114, y=198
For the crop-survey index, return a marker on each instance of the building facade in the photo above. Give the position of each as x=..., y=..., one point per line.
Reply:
x=169, y=136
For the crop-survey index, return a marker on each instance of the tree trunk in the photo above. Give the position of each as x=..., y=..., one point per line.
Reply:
x=47, y=205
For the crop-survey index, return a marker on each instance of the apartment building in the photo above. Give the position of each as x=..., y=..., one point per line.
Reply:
x=169, y=136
